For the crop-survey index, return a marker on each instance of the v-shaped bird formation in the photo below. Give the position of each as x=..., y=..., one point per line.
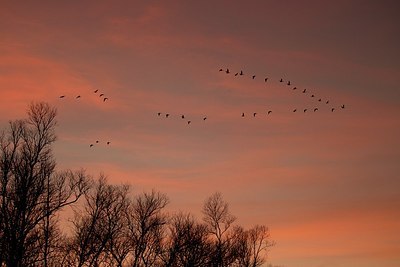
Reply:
x=305, y=91
x=319, y=101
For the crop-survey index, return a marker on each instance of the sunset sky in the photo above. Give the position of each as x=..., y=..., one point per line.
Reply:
x=327, y=184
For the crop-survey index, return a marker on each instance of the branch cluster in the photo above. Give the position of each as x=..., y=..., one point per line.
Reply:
x=111, y=227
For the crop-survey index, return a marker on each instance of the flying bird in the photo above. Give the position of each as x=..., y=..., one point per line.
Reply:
x=241, y=73
x=333, y=109
x=327, y=102
x=315, y=109
x=97, y=141
x=254, y=114
x=294, y=110
x=101, y=95
x=304, y=110
x=106, y=98
x=188, y=122
x=108, y=142
x=312, y=95
x=183, y=116
x=342, y=106
x=62, y=96
x=227, y=71
x=281, y=80
x=269, y=111
x=159, y=113
x=167, y=115
x=266, y=79
x=320, y=100
x=243, y=114
x=95, y=91
x=304, y=90
x=288, y=83
x=220, y=69
x=294, y=88
x=254, y=76
x=236, y=74
x=78, y=96
x=204, y=118
x=91, y=145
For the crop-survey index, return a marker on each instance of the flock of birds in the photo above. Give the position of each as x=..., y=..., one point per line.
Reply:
x=97, y=142
x=268, y=112
x=104, y=99
x=325, y=102
x=101, y=95
x=183, y=117
x=288, y=83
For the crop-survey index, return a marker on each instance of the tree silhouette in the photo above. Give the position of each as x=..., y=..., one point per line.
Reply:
x=111, y=227
x=188, y=243
x=146, y=228
x=219, y=221
x=251, y=244
x=31, y=192
x=97, y=226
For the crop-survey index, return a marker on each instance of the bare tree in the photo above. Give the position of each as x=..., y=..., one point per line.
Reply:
x=110, y=228
x=146, y=224
x=30, y=191
x=119, y=245
x=187, y=243
x=252, y=246
x=219, y=221
x=259, y=242
x=97, y=227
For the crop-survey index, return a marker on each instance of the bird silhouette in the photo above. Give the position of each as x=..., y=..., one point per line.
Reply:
x=269, y=112
x=254, y=76
x=97, y=141
x=312, y=95
x=327, y=102
x=304, y=90
x=281, y=80
x=108, y=142
x=320, y=100
x=159, y=113
x=315, y=109
x=204, y=118
x=227, y=71
x=294, y=88
x=294, y=110
x=266, y=79
x=183, y=116
x=333, y=109
x=243, y=114
x=342, y=106
x=91, y=145
x=95, y=91
x=220, y=69
x=189, y=122
x=254, y=114
x=62, y=96
x=236, y=74
x=288, y=83
x=78, y=96
x=101, y=95
x=241, y=73
x=167, y=115
x=305, y=110
x=106, y=98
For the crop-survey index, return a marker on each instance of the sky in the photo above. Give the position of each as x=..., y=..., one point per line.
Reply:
x=325, y=183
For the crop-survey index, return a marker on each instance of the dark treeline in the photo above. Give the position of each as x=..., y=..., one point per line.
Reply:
x=111, y=226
